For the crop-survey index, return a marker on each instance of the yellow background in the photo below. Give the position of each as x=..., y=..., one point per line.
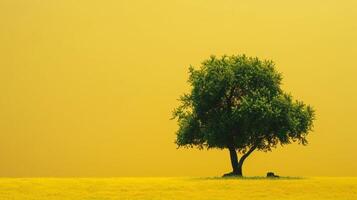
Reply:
x=87, y=87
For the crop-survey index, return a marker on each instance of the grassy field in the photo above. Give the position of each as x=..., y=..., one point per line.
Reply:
x=177, y=188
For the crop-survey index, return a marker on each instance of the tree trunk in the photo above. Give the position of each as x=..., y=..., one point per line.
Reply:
x=237, y=169
x=238, y=165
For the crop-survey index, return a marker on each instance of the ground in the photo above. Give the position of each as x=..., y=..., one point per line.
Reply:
x=177, y=188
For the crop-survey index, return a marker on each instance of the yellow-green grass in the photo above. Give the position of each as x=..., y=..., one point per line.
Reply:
x=177, y=188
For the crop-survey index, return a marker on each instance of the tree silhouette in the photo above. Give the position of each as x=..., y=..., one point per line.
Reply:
x=236, y=102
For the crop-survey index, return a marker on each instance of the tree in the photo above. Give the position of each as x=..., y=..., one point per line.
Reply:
x=236, y=103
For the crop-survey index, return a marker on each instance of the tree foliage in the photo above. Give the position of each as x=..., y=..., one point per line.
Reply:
x=236, y=102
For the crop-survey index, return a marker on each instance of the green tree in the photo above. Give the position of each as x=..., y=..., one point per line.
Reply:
x=236, y=103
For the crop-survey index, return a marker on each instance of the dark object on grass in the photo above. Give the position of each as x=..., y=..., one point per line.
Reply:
x=272, y=175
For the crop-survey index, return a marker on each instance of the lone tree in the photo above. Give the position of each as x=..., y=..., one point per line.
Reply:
x=236, y=103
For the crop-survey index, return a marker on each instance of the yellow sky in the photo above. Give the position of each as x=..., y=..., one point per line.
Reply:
x=87, y=87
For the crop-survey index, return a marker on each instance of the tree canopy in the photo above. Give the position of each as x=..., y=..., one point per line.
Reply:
x=236, y=102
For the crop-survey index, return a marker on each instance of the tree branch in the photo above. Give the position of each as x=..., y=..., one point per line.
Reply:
x=247, y=154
